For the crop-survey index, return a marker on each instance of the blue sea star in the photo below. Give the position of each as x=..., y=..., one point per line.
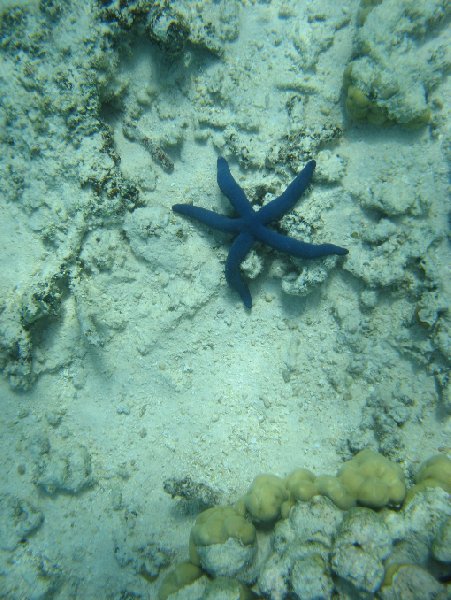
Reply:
x=251, y=225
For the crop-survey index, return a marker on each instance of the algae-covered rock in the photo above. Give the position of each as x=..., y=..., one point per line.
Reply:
x=307, y=280
x=417, y=528
x=312, y=523
x=18, y=520
x=399, y=57
x=30, y=574
x=229, y=559
x=65, y=470
x=225, y=588
x=363, y=542
x=301, y=546
x=310, y=578
x=413, y=582
x=441, y=547
x=146, y=558
x=166, y=26
x=273, y=579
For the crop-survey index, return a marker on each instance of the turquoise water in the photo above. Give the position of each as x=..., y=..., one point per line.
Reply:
x=137, y=390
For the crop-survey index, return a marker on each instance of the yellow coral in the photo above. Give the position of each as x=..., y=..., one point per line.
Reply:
x=301, y=485
x=265, y=498
x=215, y=526
x=373, y=480
x=435, y=472
x=183, y=574
x=333, y=488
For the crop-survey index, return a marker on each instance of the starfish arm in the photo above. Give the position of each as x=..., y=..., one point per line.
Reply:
x=290, y=245
x=238, y=250
x=286, y=201
x=231, y=189
x=208, y=217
